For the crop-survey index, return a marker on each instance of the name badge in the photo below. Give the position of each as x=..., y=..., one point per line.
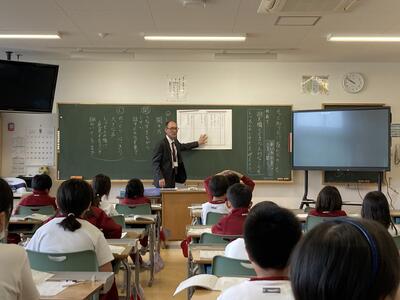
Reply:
x=271, y=290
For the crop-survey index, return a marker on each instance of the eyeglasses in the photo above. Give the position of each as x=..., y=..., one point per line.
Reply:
x=172, y=128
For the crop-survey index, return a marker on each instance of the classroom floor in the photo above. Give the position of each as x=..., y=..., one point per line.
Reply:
x=166, y=281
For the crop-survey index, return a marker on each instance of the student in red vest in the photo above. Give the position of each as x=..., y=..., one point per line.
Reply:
x=96, y=216
x=239, y=203
x=134, y=193
x=217, y=186
x=41, y=185
x=329, y=203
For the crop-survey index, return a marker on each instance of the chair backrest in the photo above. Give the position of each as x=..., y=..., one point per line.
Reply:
x=119, y=219
x=213, y=217
x=209, y=238
x=313, y=221
x=397, y=241
x=230, y=267
x=43, y=210
x=83, y=261
x=140, y=209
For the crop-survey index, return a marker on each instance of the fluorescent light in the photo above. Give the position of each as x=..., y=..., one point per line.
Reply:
x=246, y=55
x=196, y=38
x=364, y=38
x=29, y=36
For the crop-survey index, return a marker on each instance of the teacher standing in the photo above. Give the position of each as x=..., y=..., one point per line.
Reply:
x=167, y=162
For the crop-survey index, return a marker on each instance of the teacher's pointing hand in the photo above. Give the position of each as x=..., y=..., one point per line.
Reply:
x=202, y=139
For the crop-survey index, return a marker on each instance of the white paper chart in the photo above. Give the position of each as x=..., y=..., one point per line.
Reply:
x=39, y=147
x=216, y=123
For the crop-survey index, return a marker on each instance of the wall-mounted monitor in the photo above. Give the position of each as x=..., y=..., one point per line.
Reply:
x=342, y=139
x=27, y=86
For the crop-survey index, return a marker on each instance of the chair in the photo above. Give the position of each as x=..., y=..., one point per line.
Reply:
x=140, y=209
x=120, y=220
x=397, y=241
x=230, y=267
x=313, y=221
x=28, y=210
x=83, y=261
x=213, y=217
x=209, y=238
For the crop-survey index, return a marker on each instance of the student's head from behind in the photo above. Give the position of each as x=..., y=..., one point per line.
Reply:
x=42, y=182
x=218, y=185
x=270, y=234
x=74, y=197
x=101, y=185
x=134, y=189
x=6, y=206
x=232, y=178
x=239, y=196
x=376, y=207
x=345, y=259
x=329, y=199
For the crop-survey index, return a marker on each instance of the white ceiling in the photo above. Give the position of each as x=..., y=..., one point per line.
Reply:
x=125, y=22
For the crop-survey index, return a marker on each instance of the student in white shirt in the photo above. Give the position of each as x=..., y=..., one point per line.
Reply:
x=237, y=249
x=270, y=235
x=101, y=185
x=15, y=276
x=217, y=186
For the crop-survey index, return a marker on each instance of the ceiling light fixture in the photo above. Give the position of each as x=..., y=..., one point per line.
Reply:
x=364, y=38
x=196, y=38
x=50, y=36
x=245, y=55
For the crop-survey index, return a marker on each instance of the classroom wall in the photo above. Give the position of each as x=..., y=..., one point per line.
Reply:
x=219, y=83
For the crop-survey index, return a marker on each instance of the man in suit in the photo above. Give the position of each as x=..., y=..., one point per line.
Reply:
x=167, y=163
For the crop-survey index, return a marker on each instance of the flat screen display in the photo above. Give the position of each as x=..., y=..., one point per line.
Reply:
x=27, y=86
x=343, y=140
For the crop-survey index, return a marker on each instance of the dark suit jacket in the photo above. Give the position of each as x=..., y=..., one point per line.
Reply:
x=162, y=162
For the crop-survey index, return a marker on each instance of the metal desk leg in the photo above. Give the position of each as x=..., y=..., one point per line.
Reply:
x=152, y=241
x=137, y=272
x=128, y=278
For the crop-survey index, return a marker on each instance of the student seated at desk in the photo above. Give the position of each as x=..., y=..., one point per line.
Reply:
x=329, y=203
x=346, y=259
x=134, y=193
x=239, y=203
x=217, y=186
x=69, y=232
x=270, y=235
x=233, y=177
x=101, y=185
x=41, y=185
x=15, y=277
x=376, y=207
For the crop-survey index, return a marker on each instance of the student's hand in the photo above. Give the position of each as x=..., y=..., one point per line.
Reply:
x=161, y=183
x=202, y=139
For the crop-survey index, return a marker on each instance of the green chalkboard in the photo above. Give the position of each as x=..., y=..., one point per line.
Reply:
x=118, y=140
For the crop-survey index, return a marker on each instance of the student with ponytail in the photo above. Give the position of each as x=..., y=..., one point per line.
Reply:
x=101, y=185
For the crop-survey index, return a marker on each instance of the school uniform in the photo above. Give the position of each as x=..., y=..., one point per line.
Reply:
x=236, y=249
x=99, y=218
x=232, y=224
x=246, y=180
x=38, y=198
x=334, y=213
x=52, y=238
x=108, y=207
x=271, y=288
x=135, y=201
x=217, y=206
x=16, y=281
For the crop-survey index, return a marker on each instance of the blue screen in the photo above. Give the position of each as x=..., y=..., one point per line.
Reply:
x=353, y=140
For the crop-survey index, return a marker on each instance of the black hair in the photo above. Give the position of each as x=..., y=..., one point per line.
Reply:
x=345, y=259
x=167, y=123
x=270, y=234
x=6, y=198
x=74, y=196
x=101, y=185
x=41, y=182
x=218, y=185
x=232, y=178
x=376, y=207
x=134, y=189
x=329, y=199
x=239, y=195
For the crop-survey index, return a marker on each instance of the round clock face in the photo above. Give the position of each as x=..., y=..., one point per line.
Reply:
x=353, y=82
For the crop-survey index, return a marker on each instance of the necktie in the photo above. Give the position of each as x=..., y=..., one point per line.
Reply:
x=174, y=157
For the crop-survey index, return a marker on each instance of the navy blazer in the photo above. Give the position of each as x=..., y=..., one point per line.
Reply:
x=162, y=163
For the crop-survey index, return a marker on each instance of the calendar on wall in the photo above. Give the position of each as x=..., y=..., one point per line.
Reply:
x=39, y=146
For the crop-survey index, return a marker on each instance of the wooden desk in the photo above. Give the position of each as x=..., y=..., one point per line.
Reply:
x=28, y=226
x=203, y=294
x=134, y=233
x=195, y=231
x=175, y=214
x=196, y=249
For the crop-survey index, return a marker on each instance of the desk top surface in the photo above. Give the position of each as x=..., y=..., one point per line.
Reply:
x=203, y=294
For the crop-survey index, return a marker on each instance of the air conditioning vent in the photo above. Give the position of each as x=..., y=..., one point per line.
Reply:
x=305, y=6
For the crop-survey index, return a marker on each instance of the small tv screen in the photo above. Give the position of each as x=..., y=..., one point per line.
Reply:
x=342, y=139
x=27, y=86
